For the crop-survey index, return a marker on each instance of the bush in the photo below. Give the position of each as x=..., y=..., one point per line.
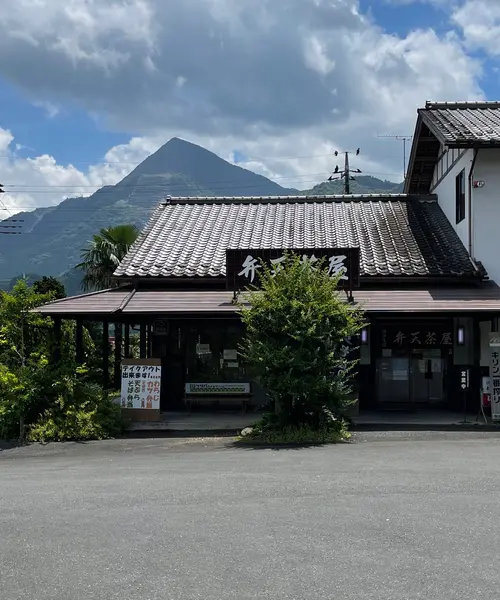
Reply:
x=271, y=430
x=298, y=341
x=95, y=418
x=12, y=394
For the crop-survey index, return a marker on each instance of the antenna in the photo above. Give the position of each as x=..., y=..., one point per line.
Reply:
x=404, y=139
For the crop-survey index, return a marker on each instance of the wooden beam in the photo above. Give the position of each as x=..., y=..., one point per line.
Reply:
x=79, y=342
x=118, y=355
x=127, y=340
x=105, y=355
x=56, y=356
x=143, y=341
x=150, y=340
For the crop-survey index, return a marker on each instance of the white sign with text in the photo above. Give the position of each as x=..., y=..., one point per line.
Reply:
x=140, y=386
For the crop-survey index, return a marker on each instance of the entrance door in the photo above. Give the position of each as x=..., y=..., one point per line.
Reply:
x=427, y=377
x=393, y=374
x=172, y=394
x=411, y=380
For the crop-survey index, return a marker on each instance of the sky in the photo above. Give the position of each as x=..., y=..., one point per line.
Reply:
x=89, y=88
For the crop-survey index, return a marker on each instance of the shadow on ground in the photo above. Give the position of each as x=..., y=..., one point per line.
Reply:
x=291, y=446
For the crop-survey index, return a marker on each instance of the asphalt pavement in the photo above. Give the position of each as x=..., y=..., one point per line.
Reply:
x=390, y=516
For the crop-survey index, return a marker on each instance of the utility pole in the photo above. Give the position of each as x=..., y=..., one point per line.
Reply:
x=346, y=173
x=404, y=139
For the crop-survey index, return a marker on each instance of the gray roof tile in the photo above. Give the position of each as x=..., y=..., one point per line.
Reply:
x=397, y=235
x=466, y=123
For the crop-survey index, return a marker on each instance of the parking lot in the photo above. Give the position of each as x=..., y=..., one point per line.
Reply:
x=392, y=516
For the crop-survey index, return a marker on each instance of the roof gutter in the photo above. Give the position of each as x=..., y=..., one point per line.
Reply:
x=471, y=176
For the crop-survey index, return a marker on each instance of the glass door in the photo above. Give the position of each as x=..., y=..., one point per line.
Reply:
x=393, y=375
x=427, y=377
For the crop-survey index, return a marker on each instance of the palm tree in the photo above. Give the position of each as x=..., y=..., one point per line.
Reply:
x=104, y=254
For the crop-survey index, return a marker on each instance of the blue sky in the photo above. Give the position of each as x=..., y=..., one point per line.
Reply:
x=72, y=135
x=88, y=90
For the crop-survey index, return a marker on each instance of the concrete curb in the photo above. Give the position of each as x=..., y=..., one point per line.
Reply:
x=469, y=426
x=182, y=433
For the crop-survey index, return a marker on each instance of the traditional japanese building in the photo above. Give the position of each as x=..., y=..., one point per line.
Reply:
x=401, y=260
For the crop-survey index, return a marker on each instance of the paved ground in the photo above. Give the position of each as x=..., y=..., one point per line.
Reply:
x=392, y=516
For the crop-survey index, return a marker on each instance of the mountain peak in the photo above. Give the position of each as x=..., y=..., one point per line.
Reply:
x=177, y=141
x=53, y=237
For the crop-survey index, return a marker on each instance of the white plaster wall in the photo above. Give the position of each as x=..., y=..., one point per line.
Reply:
x=486, y=212
x=446, y=196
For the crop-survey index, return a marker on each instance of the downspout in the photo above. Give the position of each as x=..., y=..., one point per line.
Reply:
x=471, y=176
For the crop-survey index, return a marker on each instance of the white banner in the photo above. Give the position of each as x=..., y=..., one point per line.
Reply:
x=141, y=385
x=495, y=380
x=218, y=389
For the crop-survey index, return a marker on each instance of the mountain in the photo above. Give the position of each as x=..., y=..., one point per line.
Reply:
x=52, y=238
x=362, y=184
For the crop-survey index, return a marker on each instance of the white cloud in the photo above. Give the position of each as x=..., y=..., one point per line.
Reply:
x=268, y=80
x=51, y=110
x=40, y=181
x=479, y=21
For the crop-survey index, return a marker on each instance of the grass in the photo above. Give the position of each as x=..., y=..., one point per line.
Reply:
x=295, y=435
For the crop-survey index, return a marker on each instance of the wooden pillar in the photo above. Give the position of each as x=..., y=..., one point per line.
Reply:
x=57, y=341
x=127, y=340
x=79, y=342
x=143, y=341
x=476, y=378
x=105, y=355
x=118, y=355
x=150, y=340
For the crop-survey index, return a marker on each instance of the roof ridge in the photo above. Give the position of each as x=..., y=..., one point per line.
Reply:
x=173, y=200
x=429, y=105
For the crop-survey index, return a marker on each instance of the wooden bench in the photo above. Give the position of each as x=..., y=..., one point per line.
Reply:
x=216, y=400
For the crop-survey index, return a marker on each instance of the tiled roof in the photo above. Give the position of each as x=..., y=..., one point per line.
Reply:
x=463, y=123
x=397, y=235
x=436, y=299
x=102, y=302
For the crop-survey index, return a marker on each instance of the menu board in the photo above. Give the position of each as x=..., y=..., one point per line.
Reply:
x=141, y=384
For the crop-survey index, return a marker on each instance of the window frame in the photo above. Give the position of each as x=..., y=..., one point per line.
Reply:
x=460, y=197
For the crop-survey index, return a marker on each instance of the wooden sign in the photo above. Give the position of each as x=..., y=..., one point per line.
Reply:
x=243, y=266
x=141, y=383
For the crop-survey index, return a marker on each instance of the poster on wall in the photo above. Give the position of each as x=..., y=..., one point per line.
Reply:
x=141, y=384
x=495, y=381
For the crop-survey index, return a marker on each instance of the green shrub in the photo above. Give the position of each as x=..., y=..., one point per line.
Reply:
x=297, y=324
x=301, y=434
x=12, y=394
x=272, y=429
x=93, y=419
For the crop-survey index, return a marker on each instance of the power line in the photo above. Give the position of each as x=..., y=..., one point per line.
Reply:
x=8, y=229
x=404, y=139
x=35, y=187
x=18, y=188
x=345, y=174
x=248, y=158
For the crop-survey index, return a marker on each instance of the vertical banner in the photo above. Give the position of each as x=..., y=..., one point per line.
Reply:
x=141, y=383
x=495, y=381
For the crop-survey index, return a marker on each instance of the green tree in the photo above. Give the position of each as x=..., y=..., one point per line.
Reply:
x=52, y=401
x=104, y=253
x=50, y=285
x=24, y=346
x=28, y=277
x=297, y=322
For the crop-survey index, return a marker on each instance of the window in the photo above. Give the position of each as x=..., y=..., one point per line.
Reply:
x=460, y=196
